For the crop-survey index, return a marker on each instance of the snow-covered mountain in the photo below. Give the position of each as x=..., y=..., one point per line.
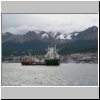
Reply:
x=90, y=33
x=37, y=41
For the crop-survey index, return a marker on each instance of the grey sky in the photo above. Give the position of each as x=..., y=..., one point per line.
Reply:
x=21, y=23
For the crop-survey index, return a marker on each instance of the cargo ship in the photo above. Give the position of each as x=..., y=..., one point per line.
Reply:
x=52, y=57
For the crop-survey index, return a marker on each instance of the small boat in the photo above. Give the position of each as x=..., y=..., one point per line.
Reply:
x=27, y=62
x=30, y=60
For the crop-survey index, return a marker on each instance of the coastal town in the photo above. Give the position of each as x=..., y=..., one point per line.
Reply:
x=73, y=58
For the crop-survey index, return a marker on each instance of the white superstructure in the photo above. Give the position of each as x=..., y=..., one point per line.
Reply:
x=52, y=53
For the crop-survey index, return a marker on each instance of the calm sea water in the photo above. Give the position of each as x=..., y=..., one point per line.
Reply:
x=14, y=74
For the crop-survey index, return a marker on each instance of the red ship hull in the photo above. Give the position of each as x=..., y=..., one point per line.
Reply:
x=27, y=62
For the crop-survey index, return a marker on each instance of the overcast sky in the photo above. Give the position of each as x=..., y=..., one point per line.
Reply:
x=21, y=23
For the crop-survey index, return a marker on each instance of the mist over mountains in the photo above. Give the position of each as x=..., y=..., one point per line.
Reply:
x=37, y=41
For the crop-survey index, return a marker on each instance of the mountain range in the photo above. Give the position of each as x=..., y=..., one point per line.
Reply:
x=37, y=41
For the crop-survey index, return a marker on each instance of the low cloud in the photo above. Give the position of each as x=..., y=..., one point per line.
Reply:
x=66, y=23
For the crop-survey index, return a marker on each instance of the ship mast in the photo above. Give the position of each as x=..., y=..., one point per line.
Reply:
x=29, y=51
x=53, y=45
